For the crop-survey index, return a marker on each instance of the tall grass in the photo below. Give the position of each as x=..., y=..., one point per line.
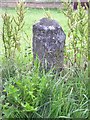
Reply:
x=37, y=94
x=67, y=97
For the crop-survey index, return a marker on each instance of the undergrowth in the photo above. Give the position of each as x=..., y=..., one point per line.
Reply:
x=39, y=94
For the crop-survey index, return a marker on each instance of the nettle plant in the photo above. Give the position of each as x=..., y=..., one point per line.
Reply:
x=77, y=35
x=20, y=98
x=12, y=28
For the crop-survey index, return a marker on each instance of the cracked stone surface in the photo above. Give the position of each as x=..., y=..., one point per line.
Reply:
x=48, y=43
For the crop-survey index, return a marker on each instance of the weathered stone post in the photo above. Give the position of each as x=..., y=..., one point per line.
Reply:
x=48, y=43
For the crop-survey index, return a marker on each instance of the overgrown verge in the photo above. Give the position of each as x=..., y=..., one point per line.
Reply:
x=31, y=93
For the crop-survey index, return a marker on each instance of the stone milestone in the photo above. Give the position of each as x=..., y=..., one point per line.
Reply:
x=48, y=43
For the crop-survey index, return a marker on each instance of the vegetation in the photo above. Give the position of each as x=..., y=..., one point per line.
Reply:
x=29, y=92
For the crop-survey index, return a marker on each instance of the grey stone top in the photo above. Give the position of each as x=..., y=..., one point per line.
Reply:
x=47, y=24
